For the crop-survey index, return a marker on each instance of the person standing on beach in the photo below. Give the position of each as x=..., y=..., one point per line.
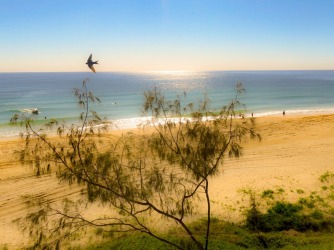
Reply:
x=284, y=113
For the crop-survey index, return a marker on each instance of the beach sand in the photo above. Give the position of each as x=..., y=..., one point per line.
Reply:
x=293, y=153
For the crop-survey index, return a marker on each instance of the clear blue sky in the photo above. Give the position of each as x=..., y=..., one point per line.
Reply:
x=145, y=35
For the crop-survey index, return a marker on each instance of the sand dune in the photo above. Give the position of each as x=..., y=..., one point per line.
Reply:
x=294, y=152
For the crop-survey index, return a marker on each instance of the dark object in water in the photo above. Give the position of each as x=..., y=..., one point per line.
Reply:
x=35, y=111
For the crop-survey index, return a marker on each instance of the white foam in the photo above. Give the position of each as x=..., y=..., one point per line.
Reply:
x=310, y=111
x=131, y=123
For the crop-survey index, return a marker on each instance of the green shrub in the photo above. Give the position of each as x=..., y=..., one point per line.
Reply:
x=326, y=177
x=268, y=193
x=253, y=215
x=285, y=216
x=318, y=215
x=282, y=216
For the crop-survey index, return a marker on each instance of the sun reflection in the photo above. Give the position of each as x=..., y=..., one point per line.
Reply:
x=173, y=72
x=179, y=79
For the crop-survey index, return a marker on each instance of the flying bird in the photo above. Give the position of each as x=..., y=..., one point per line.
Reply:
x=90, y=63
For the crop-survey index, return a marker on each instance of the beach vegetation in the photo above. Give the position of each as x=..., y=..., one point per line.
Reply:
x=146, y=181
x=300, y=191
x=311, y=212
x=327, y=177
x=225, y=235
x=268, y=193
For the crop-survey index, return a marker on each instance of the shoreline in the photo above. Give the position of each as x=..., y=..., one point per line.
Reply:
x=134, y=123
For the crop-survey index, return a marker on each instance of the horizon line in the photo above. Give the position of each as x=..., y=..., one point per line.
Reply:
x=168, y=71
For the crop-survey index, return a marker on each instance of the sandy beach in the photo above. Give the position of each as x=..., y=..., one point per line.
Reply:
x=293, y=153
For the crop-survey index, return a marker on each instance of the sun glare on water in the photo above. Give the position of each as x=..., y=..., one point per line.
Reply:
x=179, y=79
x=173, y=72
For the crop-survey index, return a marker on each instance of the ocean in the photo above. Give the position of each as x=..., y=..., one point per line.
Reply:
x=122, y=94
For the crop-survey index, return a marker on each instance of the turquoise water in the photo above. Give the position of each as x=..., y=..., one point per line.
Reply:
x=268, y=93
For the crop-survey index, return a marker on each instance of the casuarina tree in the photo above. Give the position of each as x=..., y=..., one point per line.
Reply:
x=158, y=174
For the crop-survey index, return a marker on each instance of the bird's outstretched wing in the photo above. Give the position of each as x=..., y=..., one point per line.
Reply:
x=89, y=59
x=92, y=68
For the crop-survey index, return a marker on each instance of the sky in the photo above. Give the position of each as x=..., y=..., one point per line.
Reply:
x=166, y=35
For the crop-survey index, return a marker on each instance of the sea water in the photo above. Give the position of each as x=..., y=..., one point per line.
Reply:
x=122, y=94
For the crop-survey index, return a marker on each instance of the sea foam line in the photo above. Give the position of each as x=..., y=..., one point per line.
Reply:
x=136, y=122
x=311, y=111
